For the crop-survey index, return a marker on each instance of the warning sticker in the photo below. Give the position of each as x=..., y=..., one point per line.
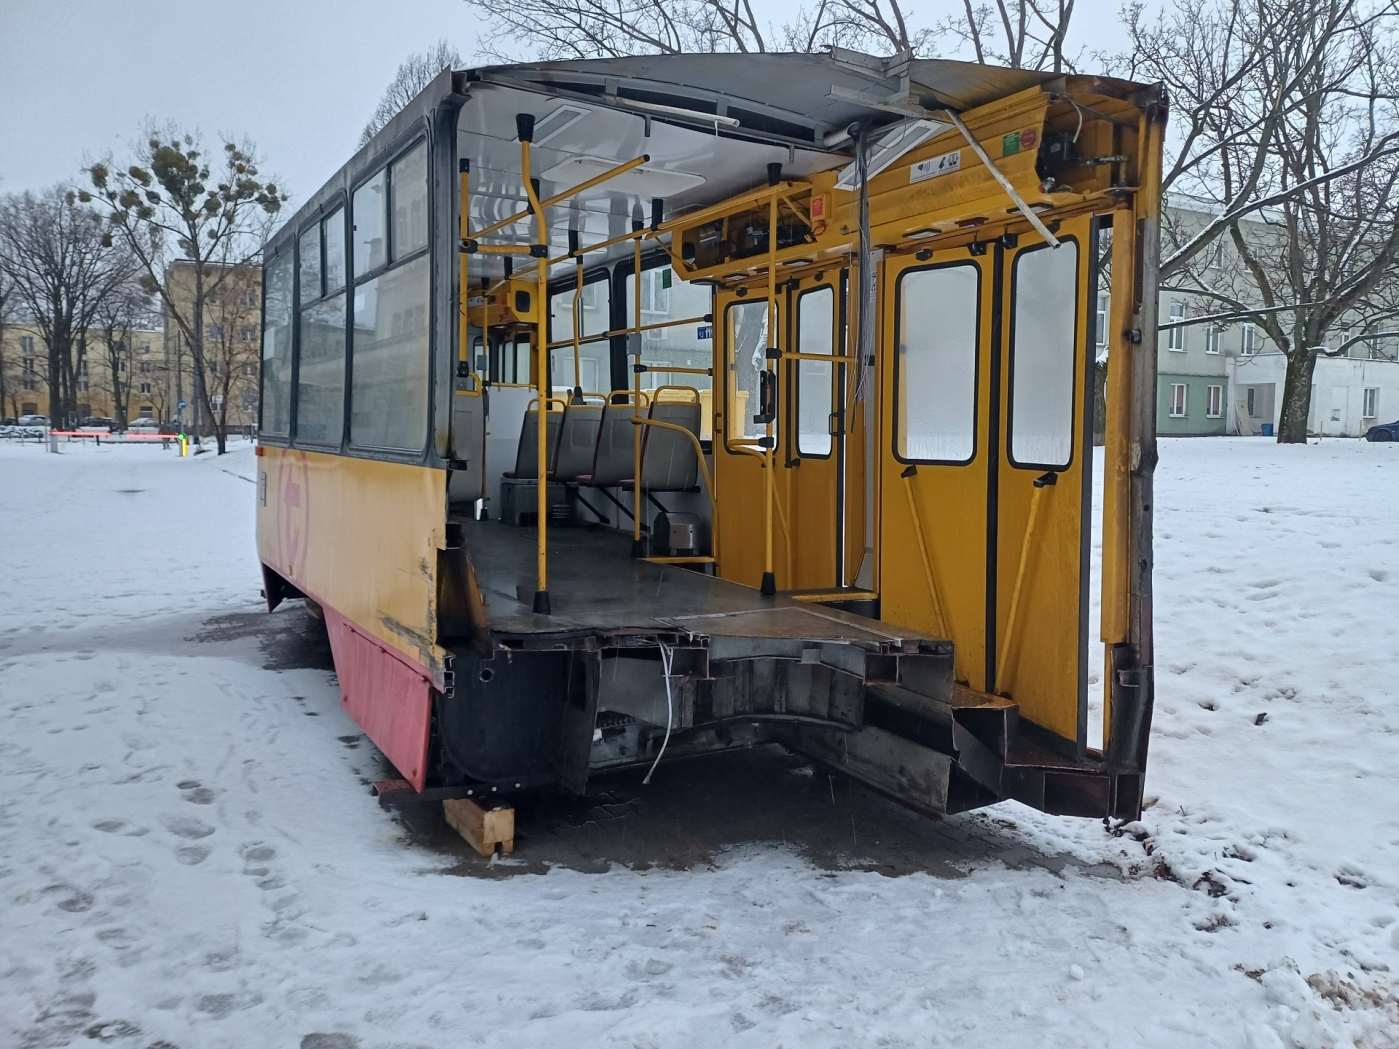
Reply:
x=935, y=166
x=1010, y=144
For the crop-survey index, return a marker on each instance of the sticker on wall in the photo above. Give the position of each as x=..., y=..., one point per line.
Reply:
x=935, y=166
x=704, y=331
x=1010, y=144
x=1028, y=138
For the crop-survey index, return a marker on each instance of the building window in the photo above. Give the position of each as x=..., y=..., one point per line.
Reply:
x=82, y=368
x=1250, y=341
x=26, y=346
x=249, y=370
x=30, y=384
x=1372, y=403
x=147, y=411
x=82, y=386
x=145, y=367
x=250, y=298
x=1175, y=337
x=145, y=387
x=248, y=334
x=216, y=333
x=216, y=401
x=29, y=408
x=1102, y=321
x=1214, y=402
x=29, y=365
x=1343, y=337
x=145, y=347
x=1178, y=392
x=1212, y=337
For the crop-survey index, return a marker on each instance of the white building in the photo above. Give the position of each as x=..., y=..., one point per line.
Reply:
x=1349, y=394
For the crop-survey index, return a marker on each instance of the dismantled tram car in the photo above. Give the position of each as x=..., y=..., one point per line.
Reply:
x=802, y=347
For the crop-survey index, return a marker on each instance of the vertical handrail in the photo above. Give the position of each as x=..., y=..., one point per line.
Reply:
x=524, y=123
x=769, y=585
x=636, y=548
x=1041, y=483
x=577, y=334
x=939, y=618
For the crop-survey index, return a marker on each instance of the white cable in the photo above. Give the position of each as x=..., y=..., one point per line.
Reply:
x=669, y=711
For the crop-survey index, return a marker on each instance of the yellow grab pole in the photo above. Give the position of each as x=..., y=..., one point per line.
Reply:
x=939, y=619
x=636, y=405
x=1041, y=483
x=769, y=580
x=524, y=123
x=578, y=337
x=463, y=349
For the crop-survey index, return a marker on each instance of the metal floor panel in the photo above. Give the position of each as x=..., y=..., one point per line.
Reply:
x=596, y=586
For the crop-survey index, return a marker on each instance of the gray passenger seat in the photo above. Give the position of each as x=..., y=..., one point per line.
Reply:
x=467, y=482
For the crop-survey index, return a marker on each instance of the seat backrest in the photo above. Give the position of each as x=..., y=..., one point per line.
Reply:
x=668, y=459
x=577, y=441
x=527, y=453
x=615, y=461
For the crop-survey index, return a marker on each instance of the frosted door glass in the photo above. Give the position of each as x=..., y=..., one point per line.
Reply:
x=937, y=363
x=1045, y=291
x=815, y=334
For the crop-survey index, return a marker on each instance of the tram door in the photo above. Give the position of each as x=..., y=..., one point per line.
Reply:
x=806, y=404
x=813, y=455
x=985, y=491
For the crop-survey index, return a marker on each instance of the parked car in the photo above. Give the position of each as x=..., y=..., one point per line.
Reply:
x=144, y=426
x=33, y=420
x=96, y=424
x=1383, y=432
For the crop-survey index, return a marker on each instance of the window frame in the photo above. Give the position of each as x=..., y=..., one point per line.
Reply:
x=1214, y=339
x=1075, y=385
x=325, y=210
x=1175, y=337
x=1214, y=401
x=795, y=396
x=353, y=282
x=599, y=275
x=976, y=363
x=290, y=253
x=778, y=427
x=1184, y=389
x=1370, y=402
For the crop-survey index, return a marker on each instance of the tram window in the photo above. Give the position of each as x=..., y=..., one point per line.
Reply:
x=937, y=353
x=368, y=216
x=664, y=297
x=815, y=334
x=408, y=184
x=310, y=250
x=335, y=251
x=276, y=347
x=1044, y=289
x=320, y=373
x=595, y=355
x=523, y=350
x=748, y=339
x=389, y=395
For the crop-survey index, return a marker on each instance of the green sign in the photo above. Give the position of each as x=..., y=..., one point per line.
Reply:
x=1010, y=144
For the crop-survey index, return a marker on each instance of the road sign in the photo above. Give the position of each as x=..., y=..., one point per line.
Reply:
x=183, y=406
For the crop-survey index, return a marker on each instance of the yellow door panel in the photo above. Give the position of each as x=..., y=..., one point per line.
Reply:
x=1043, y=491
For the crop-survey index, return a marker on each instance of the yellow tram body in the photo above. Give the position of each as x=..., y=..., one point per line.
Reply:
x=872, y=488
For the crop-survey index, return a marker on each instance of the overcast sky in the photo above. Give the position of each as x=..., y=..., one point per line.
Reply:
x=300, y=77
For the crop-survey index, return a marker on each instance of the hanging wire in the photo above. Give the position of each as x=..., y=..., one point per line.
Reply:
x=669, y=709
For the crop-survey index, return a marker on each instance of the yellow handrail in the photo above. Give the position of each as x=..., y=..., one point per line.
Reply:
x=938, y=616
x=1041, y=483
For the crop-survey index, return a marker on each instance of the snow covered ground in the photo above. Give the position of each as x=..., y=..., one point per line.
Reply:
x=188, y=860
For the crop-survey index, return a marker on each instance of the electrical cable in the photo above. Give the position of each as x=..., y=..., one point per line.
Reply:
x=669, y=710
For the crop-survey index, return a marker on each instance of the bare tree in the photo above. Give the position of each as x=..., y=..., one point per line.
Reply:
x=62, y=267
x=1022, y=34
x=117, y=317
x=216, y=215
x=414, y=73
x=1288, y=147
x=9, y=381
x=232, y=350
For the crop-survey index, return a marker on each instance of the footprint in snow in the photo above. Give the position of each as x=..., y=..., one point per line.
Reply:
x=190, y=855
x=187, y=827
x=329, y=1041
x=192, y=791
x=116, y=826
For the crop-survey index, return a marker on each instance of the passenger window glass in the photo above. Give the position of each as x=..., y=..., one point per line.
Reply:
x=748, y=335
x=335, y=251
x=664, y=297
x=276, y=347
x=311, y=264
x=389, y=396
x=1044, y=288
x=937, y=353
x=368, y=217
x=595, y=356
x=408, y=183
x=815, y=334
x=320, y=373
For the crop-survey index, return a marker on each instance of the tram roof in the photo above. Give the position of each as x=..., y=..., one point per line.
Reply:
x=590, y=114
